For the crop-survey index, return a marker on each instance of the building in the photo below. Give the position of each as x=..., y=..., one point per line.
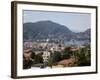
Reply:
x=46, y=56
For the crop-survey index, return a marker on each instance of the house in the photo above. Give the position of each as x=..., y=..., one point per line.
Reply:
x=46, y=56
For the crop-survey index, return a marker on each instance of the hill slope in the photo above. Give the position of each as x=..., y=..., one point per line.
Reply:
x=52, y=30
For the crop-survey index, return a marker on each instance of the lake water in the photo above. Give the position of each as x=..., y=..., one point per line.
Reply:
x=77, y=42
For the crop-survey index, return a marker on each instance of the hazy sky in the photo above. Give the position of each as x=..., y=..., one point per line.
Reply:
x=77, y=22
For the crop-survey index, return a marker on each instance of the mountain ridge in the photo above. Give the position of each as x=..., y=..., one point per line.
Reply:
x=50, y=29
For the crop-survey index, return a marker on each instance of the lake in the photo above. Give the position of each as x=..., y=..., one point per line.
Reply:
x=76, y=42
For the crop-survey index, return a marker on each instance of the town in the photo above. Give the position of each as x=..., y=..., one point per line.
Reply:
x=54, y=53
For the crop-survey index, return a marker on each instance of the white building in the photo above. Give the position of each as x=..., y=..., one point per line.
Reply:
x=46, y=56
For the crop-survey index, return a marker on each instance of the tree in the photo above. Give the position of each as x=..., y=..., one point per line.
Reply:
x=38, y=58
x=32, y=55
x=84, y=57
x=56, y=56
x=67, y=53
x=50, y=62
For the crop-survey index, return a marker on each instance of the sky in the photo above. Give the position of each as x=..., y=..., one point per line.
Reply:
x=77, y=22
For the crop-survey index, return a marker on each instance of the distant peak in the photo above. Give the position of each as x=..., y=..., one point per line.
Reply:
x=88, y=30
x=47, y=21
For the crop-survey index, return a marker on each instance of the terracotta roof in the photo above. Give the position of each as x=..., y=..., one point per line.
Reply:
x=66, y=62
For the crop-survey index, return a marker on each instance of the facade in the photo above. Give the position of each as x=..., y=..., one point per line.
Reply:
x=46, y=56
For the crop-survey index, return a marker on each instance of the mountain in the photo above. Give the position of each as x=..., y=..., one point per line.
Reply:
x=88, y=31
x=84, y=35
x=51, y=30
x=45, y=29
